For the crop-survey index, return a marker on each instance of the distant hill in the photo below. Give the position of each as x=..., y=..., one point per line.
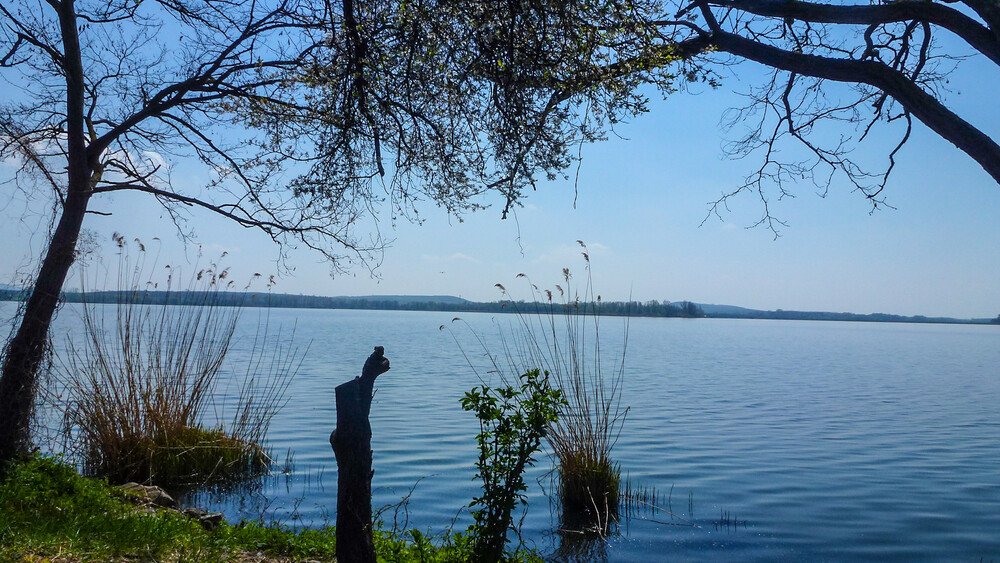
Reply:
x=713, y=310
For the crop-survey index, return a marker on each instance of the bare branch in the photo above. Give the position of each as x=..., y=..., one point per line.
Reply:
x=919, y=103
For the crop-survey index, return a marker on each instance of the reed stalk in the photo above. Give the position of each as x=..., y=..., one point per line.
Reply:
x=141, y=400
x=559, y=333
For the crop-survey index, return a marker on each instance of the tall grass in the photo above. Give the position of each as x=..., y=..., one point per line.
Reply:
x=559, y=333
x=140, y=391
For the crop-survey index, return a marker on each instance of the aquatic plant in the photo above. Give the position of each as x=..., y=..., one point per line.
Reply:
x=138, y=393
x=558, y=333
x=562, y=337
x=513, y=421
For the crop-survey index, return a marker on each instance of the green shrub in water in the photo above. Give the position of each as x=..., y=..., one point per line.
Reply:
x=562, y=337
x=513, y=421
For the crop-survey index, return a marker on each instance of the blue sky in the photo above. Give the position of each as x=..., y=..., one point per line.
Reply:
x=640, y=201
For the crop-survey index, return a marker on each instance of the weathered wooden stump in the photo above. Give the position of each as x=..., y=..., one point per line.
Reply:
x=352, y=445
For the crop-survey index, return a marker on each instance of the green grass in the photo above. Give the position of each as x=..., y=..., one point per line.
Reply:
x=49, y=513
x=47, y=508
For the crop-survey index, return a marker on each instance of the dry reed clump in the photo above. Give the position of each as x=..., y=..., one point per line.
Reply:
x=137, y=394
x=562, y=337
x=582, y=439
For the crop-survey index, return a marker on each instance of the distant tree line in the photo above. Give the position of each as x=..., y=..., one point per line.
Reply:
x=653, y=308
x=290, y=301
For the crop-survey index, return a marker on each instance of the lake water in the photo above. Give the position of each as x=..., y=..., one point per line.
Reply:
x=767, y=440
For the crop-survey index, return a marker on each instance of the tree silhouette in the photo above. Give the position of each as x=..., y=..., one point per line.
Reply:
x=308, y=116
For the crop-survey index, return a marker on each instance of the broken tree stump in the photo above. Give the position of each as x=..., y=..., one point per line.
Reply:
x=352, y=446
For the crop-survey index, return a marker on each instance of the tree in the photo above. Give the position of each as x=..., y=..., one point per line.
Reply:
x=311, y=115
x=892, y=57
x=307, y=115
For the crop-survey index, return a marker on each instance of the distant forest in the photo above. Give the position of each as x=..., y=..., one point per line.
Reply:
x=683, y=309
x=389, y=303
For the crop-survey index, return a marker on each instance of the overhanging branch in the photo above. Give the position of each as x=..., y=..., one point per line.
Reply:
x=975, y=34
x=914, y=99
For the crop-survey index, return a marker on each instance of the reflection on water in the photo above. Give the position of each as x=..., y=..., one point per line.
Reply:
x=799, y=440
x=579, y=546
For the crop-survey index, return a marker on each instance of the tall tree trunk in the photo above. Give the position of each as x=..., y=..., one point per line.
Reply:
x=25, y=352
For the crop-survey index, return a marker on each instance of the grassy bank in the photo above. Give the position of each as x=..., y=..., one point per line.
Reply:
x=49, y=513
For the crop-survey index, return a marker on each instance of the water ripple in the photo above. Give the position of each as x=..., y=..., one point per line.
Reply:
x=825, y=441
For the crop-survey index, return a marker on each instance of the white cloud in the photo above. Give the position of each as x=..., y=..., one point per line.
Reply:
x=156, y=160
